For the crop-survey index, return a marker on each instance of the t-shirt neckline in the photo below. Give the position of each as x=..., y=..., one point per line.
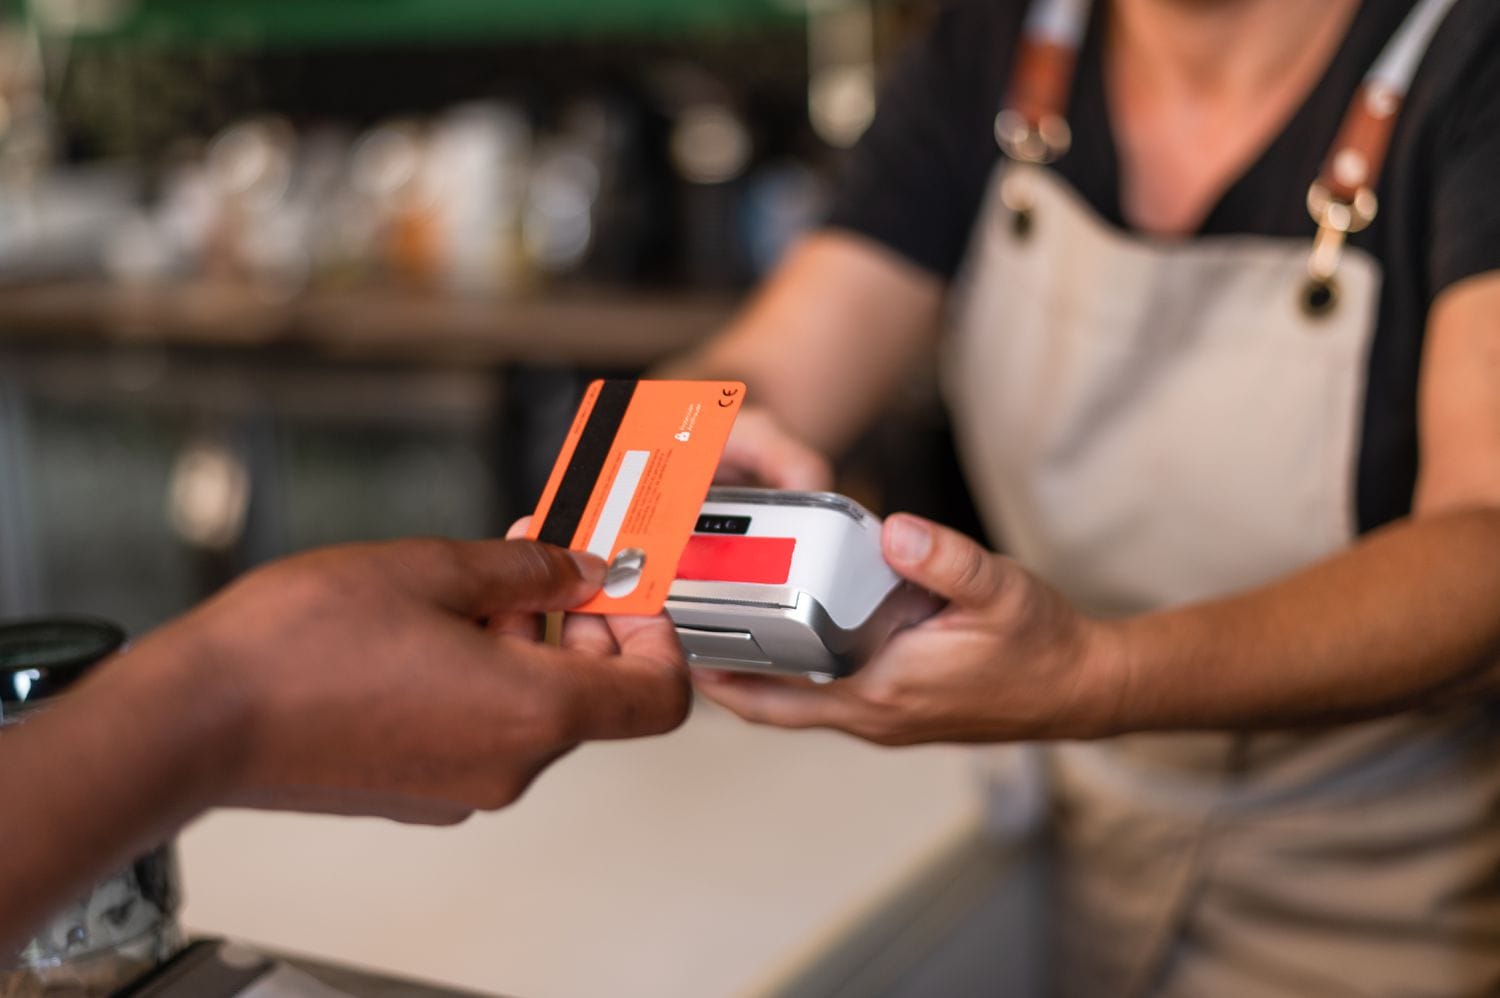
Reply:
x=1307, y=128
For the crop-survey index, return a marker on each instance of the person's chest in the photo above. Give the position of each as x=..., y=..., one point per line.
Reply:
x=1188, y=123
x=1181, y=164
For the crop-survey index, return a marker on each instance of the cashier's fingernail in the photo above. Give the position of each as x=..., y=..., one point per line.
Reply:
x=909, y=539
x=591, y=567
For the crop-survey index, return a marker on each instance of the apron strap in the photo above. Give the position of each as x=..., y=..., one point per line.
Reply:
x=1033, y=126
x=1342, y=200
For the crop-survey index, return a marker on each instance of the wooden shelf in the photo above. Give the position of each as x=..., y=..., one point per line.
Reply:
x=590, y=328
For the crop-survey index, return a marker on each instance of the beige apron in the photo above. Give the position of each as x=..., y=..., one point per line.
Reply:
x=1148, y=423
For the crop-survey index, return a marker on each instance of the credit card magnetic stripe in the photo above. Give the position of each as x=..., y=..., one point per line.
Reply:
x=573, y=494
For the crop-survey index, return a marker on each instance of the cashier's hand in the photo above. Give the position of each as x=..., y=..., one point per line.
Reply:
x=762, y=452
x=382, y=679
x=1009, y=659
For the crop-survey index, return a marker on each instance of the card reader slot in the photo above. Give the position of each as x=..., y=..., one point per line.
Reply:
x=738, y=647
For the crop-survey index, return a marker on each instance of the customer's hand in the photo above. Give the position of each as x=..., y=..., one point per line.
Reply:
x=763, y=452
x=1009, y=659
x=397, y=679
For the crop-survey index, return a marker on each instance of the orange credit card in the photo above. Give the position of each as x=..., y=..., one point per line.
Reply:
x=631, y=480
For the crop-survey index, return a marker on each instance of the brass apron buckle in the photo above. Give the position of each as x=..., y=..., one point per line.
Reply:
x=1337, y=219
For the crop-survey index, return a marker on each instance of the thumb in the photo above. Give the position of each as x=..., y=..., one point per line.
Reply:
x=645, y=690
x=942, y=561
x=485, y=578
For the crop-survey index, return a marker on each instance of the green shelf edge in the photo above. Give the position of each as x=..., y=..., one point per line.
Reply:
x=347, y=22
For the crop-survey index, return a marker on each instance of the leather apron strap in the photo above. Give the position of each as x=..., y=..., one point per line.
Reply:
x=1342, y=200
x=1032, y=127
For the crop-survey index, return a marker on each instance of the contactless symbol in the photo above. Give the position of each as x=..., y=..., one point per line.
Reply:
x=731, y=396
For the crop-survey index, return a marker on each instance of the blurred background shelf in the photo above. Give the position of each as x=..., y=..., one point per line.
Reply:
x=355, y=22
x=591, y=328
x=310, y=271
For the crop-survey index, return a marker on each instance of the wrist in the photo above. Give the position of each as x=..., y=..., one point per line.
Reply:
x=1109, y=675
x=178, y=680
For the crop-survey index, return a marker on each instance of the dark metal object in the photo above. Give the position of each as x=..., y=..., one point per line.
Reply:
x=41, y=657
x=213, y=968
x=127, y=924
x=1320, y=297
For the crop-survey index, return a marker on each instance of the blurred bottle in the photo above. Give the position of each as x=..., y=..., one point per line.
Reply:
x=318, y=196
x=389, y=173
x=841, y=87
x=259, y=233
x=475, y=175
x=26, y=133
x=559, y=224
x=711, y=150
x=628, y=186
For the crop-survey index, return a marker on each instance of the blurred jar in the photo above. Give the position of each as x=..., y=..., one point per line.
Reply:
x=262, y=231
x=475, y=175
x=127, y=924
x=388, y=174
x=558, y=224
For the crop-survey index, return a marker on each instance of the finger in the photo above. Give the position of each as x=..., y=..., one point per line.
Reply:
x=647, y=637
x=589, y=634
x=727, y=474
x=772, y=700
x=775, y=458
x=526, y=626
x=943, y=561
x=486, y=578
x=783, y=463
x=350, y=803
x=519, y=529
x=622, y=696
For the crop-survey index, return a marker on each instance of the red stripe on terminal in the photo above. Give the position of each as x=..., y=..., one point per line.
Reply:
x=765, y=561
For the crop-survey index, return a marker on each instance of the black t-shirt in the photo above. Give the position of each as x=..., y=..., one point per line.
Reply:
x=918, y=176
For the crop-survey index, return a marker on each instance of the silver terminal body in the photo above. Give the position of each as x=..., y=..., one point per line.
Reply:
x=839, y=604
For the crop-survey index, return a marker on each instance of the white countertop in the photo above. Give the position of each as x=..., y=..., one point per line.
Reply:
x=699, y=865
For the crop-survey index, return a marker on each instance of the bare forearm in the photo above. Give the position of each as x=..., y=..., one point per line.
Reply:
x=828, y=338
x=106, y=773
x=290, y=689
x=1397, y=621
